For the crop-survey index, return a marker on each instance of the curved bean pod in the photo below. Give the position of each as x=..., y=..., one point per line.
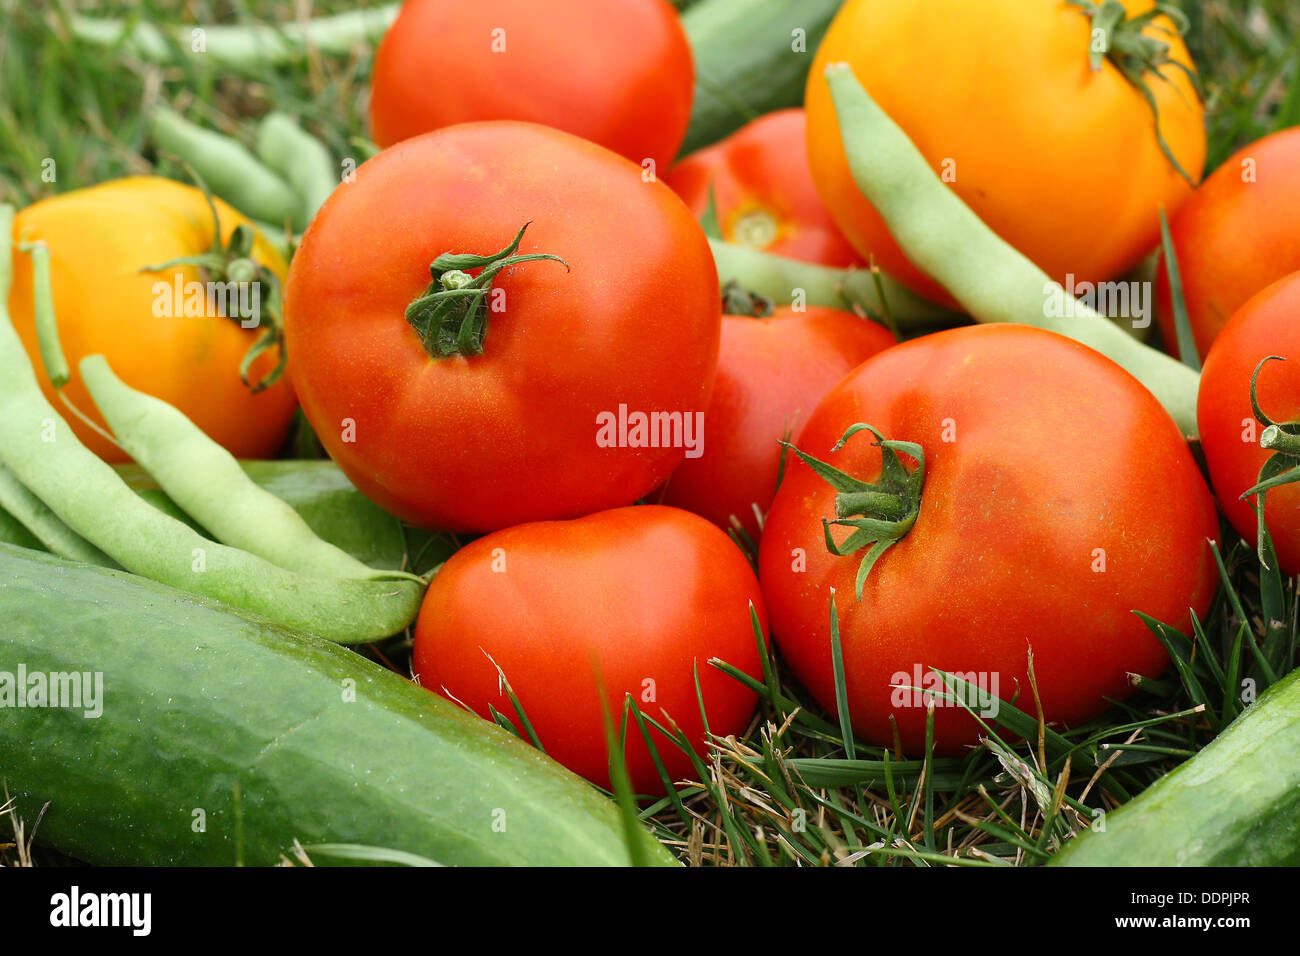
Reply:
x=228, y=169
x=991, y=279
x=207, y=482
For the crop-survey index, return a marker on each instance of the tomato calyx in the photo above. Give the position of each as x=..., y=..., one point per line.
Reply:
x=232, y=262
x=1283, y=439
x=1119, y=38
x=737, y=300
x=880, y=513
x=451, y=315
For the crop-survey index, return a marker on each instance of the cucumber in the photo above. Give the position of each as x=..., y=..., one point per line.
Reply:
x=1236, y=803
x=745, y=64
x=318, y=491
x=198, y=697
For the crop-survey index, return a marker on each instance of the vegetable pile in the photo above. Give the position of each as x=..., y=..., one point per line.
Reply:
x=722, y=432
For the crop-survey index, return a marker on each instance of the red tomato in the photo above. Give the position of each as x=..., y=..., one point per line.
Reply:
x=1268, y=324
x=616, y=72
x=772, y=372
x=636, y=600
x=763, y=191
x=522, y=431
x=1234, y=236
x=1058, y=498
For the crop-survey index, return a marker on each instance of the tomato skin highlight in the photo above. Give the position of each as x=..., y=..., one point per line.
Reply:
x=1047, y=440
x=625, y=78
x=483, y=442
x=100, y=238
x=1079, y=192
x=1266, y=325
x=636, y=599
x=1234, y=237
x=760, y=172
x=772, y=372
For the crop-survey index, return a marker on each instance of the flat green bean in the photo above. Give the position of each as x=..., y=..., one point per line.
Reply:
x=991, y=279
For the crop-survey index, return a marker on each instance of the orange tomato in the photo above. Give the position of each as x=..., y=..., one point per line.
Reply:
x=763, y=191
x=1061, y=161
x=100, y=239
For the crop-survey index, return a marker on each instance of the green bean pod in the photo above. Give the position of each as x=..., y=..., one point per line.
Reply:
x=228, y=169
x=44, y=525
x=300, y=158
x=991, y=279
x=785, y=281
x=207, y=482
x=244, y=47
x=85, y=493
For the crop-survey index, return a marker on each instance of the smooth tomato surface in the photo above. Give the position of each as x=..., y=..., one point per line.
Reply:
x=763, y=191
x=616, y=72
x=99, y=240
x=1236, y=235
x=1062, y=162
x=485, y=441
x=1268, y=324
x=772, y=372
x=1035, y=532
x=635, y=599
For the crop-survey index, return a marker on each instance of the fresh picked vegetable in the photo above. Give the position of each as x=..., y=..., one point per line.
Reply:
x=773, y=369
x=1064, y=126
x=618, y=74
x=1234, y=237
x=221, y=739
x=1249, y=404
x=549, y=627
x=177, y=330
x=964, y=496
x=475, y=403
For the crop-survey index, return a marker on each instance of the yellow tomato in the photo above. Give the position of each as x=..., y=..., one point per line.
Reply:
x=1059, y=159
x=163, y=332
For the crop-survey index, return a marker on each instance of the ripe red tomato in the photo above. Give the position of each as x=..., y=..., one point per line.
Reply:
x=1268, y=324
x=549, y=421
x=1234, y=236
x=616, y=72
x=772, y=372
x=763, y=191
x=636, y=600
x=1058, y=497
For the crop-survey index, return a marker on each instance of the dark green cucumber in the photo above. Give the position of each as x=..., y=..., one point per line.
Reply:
x=1236, y=803
x=198, y=698
x=327, y=501
x=745, y=61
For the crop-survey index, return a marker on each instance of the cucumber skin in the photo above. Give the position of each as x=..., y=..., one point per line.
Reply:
x=1236, y=803
x=197, y=695
x=744, y=64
